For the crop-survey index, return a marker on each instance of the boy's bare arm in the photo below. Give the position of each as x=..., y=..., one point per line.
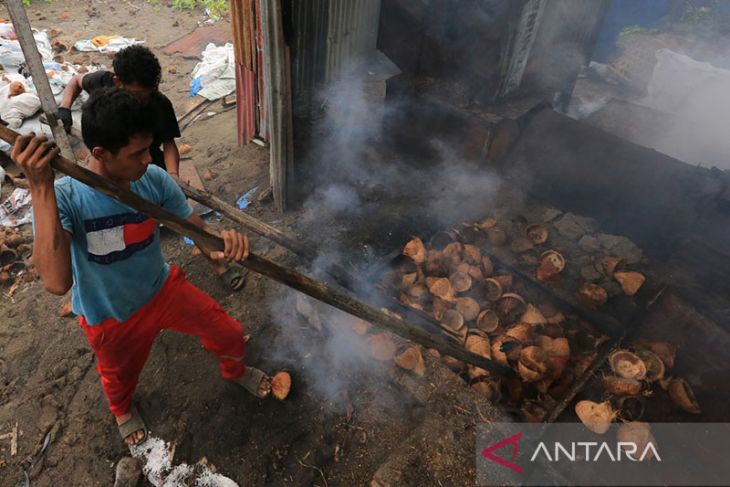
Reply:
x=52, y=244
x=171, y=155
x=236, y=244
x=72, y=91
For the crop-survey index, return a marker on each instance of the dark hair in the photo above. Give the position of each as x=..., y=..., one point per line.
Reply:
x=137, y=64
x=111, y=117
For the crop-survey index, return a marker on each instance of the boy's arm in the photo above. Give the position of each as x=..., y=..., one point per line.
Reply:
x=236, y=244
x=70, y=93
x=172, y=158
x=51, y=245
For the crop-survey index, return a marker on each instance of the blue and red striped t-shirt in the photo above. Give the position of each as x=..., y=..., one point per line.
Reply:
x=117, y=261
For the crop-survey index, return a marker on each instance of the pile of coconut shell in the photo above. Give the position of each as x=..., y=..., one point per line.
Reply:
x=15, y=250
x=493, y=313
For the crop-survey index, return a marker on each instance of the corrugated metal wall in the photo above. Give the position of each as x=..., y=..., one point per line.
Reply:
x=352, y=34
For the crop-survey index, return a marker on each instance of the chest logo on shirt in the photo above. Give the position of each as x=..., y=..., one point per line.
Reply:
x=117, y=237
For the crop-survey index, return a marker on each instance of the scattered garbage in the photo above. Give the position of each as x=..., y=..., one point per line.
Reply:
x=215, y=76
x=104, y=43
x=184, y=149
x=16, y=210
x=17, y=103
x=245, y=200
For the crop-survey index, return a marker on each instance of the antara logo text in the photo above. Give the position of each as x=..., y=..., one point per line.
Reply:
x=584, y=451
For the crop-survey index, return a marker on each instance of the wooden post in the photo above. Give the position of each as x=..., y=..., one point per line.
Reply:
x=334, y=297
x=38, y=72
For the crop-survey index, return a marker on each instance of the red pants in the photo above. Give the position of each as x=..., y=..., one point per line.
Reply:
x=122, y=348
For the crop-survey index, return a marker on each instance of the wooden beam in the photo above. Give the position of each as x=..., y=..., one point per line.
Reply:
x=334, y=297
x=40, y=80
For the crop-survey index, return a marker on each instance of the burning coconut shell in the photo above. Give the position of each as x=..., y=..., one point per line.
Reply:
x=439, y=240
x=460, y=281
x=455, y=365
x=597, y=417
x=475, y=272
x=521, y=244
x=627, y=365
x=592, y=295
x=453, y=253
x=654, y=365
x=408, y=280
x=630, y=281
x=505, y=280
x=532, y=365
x=496, y=236
x=493, y=289
x=522, y=332
x=439, y=307
x=620, y=386
x=453, y=320
x=281, y=385
x=411, y=359
x=360, y=326
x=683, y=396
x=488, y=321
x=473, y=234
x=551, y=264
x=468, y=307
x=415, y=250
x=497, y=354
x=436, y=263
x=441, y=287
x=638, y=434
x=538, y=234
x=382, y=347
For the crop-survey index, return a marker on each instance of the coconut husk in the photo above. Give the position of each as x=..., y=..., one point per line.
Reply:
x=415, y=250
x=620, y=386
x=551, y=265
x=592, y=295
x=532, y=365
x=630, y=281
x=533, y=316
x=492, y=289
x=411, y=359
x=488, y=321
x=627, y=365
x=521, y=244
x=487, y=223
x=472, y=254
x=382, y=347
x=538, y=234
x=281, y=385
x=640, y=435
x=460, y=282
x=442, y=288
x=360, y=326
x=683, y=396
x=468, y=307
x=496, y=236
x=609, y=264
x=487, y=265
x=654, y=366
x=597, y=417
x=453, y=320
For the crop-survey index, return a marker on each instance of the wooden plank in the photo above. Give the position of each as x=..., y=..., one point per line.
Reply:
x=40, y=80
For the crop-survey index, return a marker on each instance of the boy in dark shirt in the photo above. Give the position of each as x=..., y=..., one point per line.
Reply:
x=137, y=71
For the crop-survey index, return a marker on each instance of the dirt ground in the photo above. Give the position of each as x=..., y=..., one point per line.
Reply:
x=370, y=425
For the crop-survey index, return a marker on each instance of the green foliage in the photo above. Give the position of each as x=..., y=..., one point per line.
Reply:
x=27, y=2
x=216, y=7
x=635, y=29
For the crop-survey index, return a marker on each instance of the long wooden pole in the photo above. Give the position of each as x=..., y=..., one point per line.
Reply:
x=38, y=73
x=334, y=297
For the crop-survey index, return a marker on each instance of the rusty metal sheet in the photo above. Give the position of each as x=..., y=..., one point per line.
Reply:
x=192, y=45
x=245, y=104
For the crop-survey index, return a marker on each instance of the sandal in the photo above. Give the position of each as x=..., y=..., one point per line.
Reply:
x=133, y=424
x=251, y=380
x=234, y=278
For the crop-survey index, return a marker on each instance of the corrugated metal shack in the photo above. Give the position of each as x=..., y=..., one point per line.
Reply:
x=460, y=62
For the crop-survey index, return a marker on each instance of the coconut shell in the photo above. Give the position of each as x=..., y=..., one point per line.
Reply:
x=533, y=316
x=620, y=386
x=479, y=345
x=627, y=365
x=4, y=277
x=415, y=250
x=382, y=347
x=493, y=289
x=439, y=307
x=408, y=280
x=453, y=252
x=521, y=332
x=630, y=281
x=551, y=264
x=439, y=240
x=488, y=388
x=455, y=365
x=468, y=307
x=511, y=302
x=360, y=327
x=532, y=365
x=460, y=281
x=473, y=234
x=533, y=412
x=496, y=236
x=487, y=223
x=453, y=320
x=475, y=272
x=665, y=351
x=683, y=396
x=436, y=264
x=418, y=292
x=488, y=321
x=411, y=359
x=410, y=302
x=609, y=264
x=654, y=366
x=497, y=354
x=505, y=280
x=592, y=295
x=472, y=254
x=442, y=288
x=557, y=351
x=521, y=244
x=281, y=385
x=487, y=265
x=597, y=417
x=640, y=435
x=538, y=234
